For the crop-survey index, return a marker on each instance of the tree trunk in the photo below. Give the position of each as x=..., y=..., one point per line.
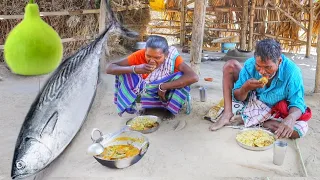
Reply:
x=244, y=25
x=253, y=5
x=310, y=27
x=317, y=81
x=183, y=23
x=102, y=25
x=197, y=34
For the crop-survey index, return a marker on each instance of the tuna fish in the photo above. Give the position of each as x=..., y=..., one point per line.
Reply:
x=61, y=107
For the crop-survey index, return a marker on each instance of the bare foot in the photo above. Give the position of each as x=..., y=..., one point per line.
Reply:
x=168, y=116
x=223, y=120
x=142, y=111
x=236, y=120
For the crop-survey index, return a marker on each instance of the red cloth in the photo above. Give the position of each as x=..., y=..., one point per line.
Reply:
x=281, y=110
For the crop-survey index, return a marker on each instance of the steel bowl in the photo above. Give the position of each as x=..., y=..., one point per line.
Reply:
x=112, y=139
x=156, y=119
x=140, y=45
x=255, y=148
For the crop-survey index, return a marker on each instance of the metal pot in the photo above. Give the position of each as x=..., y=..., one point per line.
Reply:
x=140, y=45
x=111, y=139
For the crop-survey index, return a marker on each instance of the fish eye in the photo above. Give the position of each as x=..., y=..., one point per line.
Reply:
x=20, y=165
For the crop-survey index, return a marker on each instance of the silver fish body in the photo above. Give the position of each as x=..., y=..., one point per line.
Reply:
x=61, y=107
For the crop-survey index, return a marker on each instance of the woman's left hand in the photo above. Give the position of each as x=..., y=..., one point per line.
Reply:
x=162, y=93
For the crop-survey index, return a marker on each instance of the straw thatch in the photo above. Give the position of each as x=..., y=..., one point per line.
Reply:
x=79, y=26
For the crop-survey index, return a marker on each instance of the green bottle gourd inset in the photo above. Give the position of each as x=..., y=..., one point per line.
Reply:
x=33, y=47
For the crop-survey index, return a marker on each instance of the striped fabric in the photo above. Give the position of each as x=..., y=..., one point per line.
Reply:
x=129, y=86
x=256, y=112
x=176, y=97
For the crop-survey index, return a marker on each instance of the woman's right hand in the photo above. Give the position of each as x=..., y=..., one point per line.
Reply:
x=253, y=84
x=144, y=68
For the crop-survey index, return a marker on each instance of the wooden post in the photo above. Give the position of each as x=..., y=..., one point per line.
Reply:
x=310, y=27
x=183, y=23
x=244, y=25
x=250, y=45
x=197, y=34
x=102, y=25
x=317, y=81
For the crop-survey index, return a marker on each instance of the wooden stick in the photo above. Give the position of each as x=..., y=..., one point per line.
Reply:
x=197, y=34
x=298, y=4
x=310, y=27
x=291, y=18
x=102, y=26
x=250, y=45
x=317, y=78
x=280, y=38
x=182, y=22
x=58, y=13
x=301, y=160
x=244, y=25
x=222, y=39
x=65, y=40
x=77, y=12
x=168, y=20
x=166, y=34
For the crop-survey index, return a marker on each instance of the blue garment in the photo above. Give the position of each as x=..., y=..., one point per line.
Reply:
x=287, y=84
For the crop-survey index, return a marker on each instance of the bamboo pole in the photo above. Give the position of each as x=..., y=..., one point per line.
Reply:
x=102, y=25
x=197, y=34
x=76, y=12
x=291, y=18
x=310, y=27
x=166, y=34
x=250, y=45
x=298, y=4
x=182, y=23
x=222, y=39
x=317, y=81
x=65, y=40
x=280, y=38
x=244, y=25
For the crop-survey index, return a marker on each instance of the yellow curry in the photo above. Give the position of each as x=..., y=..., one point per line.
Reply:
x=119, y=152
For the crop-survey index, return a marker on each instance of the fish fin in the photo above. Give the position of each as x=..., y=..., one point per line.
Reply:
x=50, y=125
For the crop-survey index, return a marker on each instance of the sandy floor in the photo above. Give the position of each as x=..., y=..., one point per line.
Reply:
x=191, y=153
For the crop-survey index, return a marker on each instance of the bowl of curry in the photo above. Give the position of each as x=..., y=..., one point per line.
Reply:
x=122, y=149
x=255, y=139
x=144, y=124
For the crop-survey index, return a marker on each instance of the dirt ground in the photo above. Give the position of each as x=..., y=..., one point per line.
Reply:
x=193, y=152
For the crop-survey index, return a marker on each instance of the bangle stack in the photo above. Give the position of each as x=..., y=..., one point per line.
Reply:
x=159, y=87
x=133, y=67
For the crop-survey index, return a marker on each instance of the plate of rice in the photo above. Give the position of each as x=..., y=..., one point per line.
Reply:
x=255, y=139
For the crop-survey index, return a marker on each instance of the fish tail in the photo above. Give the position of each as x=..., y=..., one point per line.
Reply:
x=114, y=22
